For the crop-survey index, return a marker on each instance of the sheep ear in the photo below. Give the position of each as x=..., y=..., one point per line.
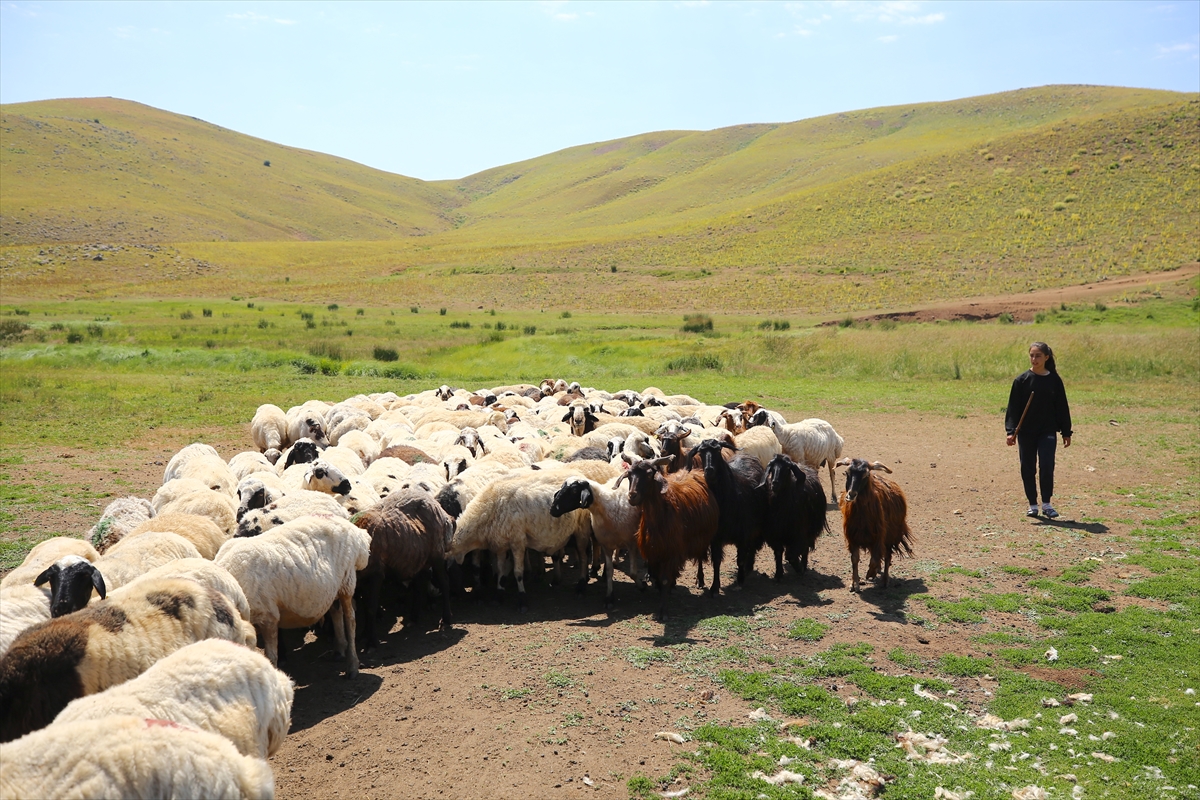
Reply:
x=585, y=496
x=663, y=483
x=692, y=454
x=98, y=582
x=728, y=444
x=799, y=473
x=844, y=462
x=48, y=573
x=880, y=465
x=567, y=416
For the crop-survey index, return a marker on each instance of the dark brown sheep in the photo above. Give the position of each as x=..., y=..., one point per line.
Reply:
x=874, y=518
x=409, y=455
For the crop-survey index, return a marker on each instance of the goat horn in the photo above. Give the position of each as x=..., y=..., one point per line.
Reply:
x=662, y=461
x=880, y=465
x=842, y=462
x=620, y=478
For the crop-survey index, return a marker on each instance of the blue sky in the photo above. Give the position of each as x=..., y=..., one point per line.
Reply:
x=443, y=90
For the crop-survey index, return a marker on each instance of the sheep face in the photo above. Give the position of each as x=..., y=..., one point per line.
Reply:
x=470, y=439
x=616, y=445
x=759, y=417
x=574, y=494
x=324, y=477
x=454, y=467
x=444, y=392
x=303, y=451
x=71, y=580
x=449, y=500
x=251, y=495
x=580, y=419
x=632, y=411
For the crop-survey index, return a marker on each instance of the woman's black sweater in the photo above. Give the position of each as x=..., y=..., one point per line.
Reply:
x=1048, y=412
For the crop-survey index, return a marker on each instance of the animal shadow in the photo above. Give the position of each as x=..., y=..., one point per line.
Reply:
x=1087, y=527
x=890, y=601
x=321, y=693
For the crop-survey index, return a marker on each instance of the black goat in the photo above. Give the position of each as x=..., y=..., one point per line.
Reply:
x=795, y=512
x=734, y=484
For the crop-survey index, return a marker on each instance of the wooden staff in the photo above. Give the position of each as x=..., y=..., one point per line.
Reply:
x=1028, y=403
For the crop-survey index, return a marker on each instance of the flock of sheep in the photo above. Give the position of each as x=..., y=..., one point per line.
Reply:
x=127, y=660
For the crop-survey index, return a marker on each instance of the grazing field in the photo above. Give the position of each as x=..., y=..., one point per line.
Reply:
x=567, y=700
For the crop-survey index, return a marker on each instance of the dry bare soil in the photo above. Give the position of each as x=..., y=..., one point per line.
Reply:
x=530, y=705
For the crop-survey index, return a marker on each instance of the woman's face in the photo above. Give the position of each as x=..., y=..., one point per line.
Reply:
x=1037, y=359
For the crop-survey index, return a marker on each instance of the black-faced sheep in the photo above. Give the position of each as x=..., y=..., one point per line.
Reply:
x=72, y=580
x=795, y=512
x=614, y=523
x=678, y=521
x=105, y=644
x=874, y=518
x=409, y=535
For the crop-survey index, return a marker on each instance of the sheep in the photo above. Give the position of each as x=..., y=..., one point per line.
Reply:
x=678, y=521
x=361, y=444
x=217, y=506
x=755, y=415
x=810, y=441
x=362, y=496
x=588, y=454
x=428, y=477
x=108, y=643
x=407, y=454
x=134, y=555
x=258, y=490
x=733, y=484
x=581, y=419
x=72, y=579
x=287, y=508
x=346, y=422
x=316, y=476
x=512, y=515
x=874, y=518
x=409, y=534
x=202, y=532
x=43, y=555
x=384, y=475
x=180, y=459
x=130, y=757
x=346, y=460
x=202, y=571
x=614, y=523
x=212, y=685
x=118, y=519
x=306, y=423
x=292, y=574
x=459, y=419
x=795, y=512
x=458, y=493
x=21, y=607
x=174, y=489
x=303, y=451
x=249, y=462
x=269, y=431
x=760, y=443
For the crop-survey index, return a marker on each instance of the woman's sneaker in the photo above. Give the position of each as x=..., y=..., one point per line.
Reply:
x=1048, y=511
x=1032, y=512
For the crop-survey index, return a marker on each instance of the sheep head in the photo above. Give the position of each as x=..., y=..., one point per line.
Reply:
x=322, y=476
x=858, y=475
x=575, y=493
x=71, y=580
x=643, y=476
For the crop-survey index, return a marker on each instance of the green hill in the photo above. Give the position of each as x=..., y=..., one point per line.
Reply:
x=867, y=209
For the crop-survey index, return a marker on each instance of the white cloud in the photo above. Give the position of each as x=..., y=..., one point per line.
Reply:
x=693, y=3
x=1185, y=49
x=124, y=32
x=553, y=9
x=285, y=22
x=892, y=12
x=251, y=16
x=888, y=39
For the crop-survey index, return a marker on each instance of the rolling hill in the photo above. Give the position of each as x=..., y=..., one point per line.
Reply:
x=866, y=209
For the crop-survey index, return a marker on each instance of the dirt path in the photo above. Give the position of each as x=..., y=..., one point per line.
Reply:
x=518, y=706
x=1024, y=306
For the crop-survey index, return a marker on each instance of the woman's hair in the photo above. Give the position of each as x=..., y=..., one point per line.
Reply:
x=1045, y=348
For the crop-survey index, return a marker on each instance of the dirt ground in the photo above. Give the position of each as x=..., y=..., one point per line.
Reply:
x=1023, y=307
x=551, y=703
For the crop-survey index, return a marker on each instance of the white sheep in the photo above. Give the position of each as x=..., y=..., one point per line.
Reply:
x=385, y=474
x=180, y=459
x=307, y=422
x=202, y=571
x=135, y=555
x=810, y=441
x=269, y=431
x=292, y=574
x=117, y=520
x=760, y=443
x=366, y=448
x=214, y=686
x=108, y=643
x=258, y=490
x=217, y=506
x=249, y=462
x=174, y=489
x=43, y=555
x=614, y=523
x=202, y=532
x=346, y=460
x=21, y=606
x=210, y=470
x=130, y=757
x=299, y=503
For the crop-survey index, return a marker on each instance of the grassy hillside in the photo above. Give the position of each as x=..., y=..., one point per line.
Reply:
x=864, y=210
x=103, y=169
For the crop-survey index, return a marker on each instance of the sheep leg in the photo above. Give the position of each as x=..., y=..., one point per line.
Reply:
x=800, y=565
x=854, y=587
x=716, y=553
x=745, y=562
x=368, y=596
x=582, y=547
x=443, y=578
x=419, y=587
x=887, y=565
x=346, y=600
x=778, y=564
x=664, y=591
x=519, y=573
x=637, y=568
x=269, y=632
x=700, y=575
x=609, y=600
x=832, y=486
x=338, y=617
x=557, y=559
x=598, y=560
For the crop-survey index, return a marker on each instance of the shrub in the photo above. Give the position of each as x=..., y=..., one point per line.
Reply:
x=332, y=306
x=848, y=322
x=262, y=323
x=500, y=326
x=210, y=343
x=1039, y=317
x=613, y=268
x=249, y=305
x=460, y=324
x=385, y=354
x=57, y=326
x=530, y=330
x=74, y=337
x=565, y=315
x=413, y=309
x=1006, y=318
x=1071, y=198
x=697, y=323
x=12, y=329
x=1024, y=213
x=325, y=349
x=307, y=316
x=1060, y=206
x=309, y=323
x=21, y=312
x=390, y=322
x=1100, y=306
x=329, y=367
x=400, y=373
x=492, y=337
x=187, y=315
x=206, y=312
x=441, y=312
x=492, y=312
x=360, y=312
x=694, y=362
x=266, y=163
x=95, y=331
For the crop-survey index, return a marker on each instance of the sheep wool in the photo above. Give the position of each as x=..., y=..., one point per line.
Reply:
x=214, y=686
x=21, y=607
x=44, y=554
x=119, y=518
x=202, y=571
x=135, y=555
x=202, y=532
x=130, y=757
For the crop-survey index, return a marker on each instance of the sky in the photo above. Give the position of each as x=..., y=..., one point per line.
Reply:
x=443, y=90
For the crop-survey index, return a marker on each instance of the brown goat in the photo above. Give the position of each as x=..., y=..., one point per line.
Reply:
x=409, y=533
x=874, y=518
x=678, y=522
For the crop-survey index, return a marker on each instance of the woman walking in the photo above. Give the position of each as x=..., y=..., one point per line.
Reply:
x=1037, y=410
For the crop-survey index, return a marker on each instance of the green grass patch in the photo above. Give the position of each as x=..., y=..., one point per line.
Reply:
x=808, y=630
x=964, y=666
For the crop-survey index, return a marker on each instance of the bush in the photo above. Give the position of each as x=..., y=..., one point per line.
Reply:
x=304, y=366
x=530, y=330
x=332, y=306
x=57, y=326
x=326, y=349
x=95, y=331
x=413, y=309
x=694, y=362
x=74, y=337
x=1006, y=318
x=307, y=316
x=492, y=312
x=613, y=268
x=21, y=312
x=186, y=315
x=12, y=329
x=1060, y=206
x=207, y=312
x=360, y=312
x=848, y=322
x=565, y=315
x=249, y=305
x=441, y=312
x=262, y=323
x=309, y=323
x=492, y=337
x=1100, y=306
x=460, y=324
x=385, y=354
x=697, y=323
x=500, y=326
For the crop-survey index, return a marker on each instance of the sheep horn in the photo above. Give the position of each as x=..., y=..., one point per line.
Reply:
x=662, y=461
x=843, y=462
x=620, y=478
x=880, y=465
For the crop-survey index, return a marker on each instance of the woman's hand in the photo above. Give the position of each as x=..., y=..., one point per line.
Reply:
x=1011, y=440
x=1066, y=441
